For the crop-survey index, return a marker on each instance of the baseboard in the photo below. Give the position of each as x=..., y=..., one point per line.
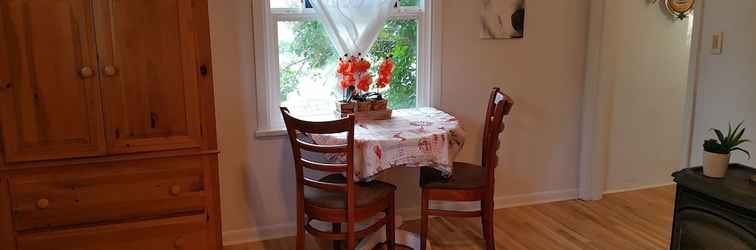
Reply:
x=638, y=188
x=235, y=237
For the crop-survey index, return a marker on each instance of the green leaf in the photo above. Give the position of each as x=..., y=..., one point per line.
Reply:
x=720, y=136
x=740, y=142
x=743, y=150
x=731, y=134
x=739, y=135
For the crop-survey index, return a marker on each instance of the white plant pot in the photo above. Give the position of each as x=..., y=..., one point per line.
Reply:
x=715, y=165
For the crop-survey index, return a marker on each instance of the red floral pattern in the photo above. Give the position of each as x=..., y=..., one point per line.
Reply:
x=411, y=138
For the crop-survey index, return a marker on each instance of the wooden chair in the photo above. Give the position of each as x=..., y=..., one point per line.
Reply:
x=334, y=198
x=469, y=182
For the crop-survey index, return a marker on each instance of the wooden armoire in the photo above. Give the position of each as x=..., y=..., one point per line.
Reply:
x=107, y=126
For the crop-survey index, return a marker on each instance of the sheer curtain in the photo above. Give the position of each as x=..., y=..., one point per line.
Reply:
x=353, y=25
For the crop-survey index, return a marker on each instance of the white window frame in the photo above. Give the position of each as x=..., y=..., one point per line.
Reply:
x=269, y=120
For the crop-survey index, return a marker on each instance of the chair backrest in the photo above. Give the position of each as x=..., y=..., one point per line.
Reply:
x=499, y=105
x=296, y=128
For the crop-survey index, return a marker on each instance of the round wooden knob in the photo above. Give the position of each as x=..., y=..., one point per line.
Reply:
x=43, y=203
x=110, y=70
x=175, y=189
x=86, y=72
x=179, y=243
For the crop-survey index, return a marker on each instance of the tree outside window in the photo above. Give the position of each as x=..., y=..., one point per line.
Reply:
x=307, y=62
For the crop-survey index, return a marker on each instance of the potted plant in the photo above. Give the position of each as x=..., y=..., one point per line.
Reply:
x=357, y=82
x=716, y=156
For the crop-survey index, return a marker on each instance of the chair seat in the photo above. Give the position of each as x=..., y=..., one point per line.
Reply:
x=466, y=176
x=366, y=193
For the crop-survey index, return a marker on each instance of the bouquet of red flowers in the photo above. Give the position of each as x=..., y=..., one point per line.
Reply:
x=354, y=76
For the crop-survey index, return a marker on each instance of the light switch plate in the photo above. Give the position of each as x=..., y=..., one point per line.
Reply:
x=717, y=42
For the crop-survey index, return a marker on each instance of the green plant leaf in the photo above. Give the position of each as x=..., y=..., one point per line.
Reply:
x=742, y=150
x=731, y=134
x=739, y=135
x=720, y=136
x=729, y=130
x=740, y=142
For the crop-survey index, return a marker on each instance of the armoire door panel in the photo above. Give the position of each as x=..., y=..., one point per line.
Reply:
x=148, y=57
x=50, y=96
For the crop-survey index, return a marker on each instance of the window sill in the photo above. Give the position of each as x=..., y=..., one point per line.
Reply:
x=275, y=131
x=269, y=133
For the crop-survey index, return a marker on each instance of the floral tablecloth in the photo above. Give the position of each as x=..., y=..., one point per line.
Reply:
x=411, y=138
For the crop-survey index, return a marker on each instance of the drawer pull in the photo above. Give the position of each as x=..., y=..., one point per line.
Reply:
x=86, y=72
x=175, y=190
x=43, y=203
x=110, y=70
x=179, y=244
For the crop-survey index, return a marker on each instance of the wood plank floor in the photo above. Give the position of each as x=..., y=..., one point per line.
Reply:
x=630, y=220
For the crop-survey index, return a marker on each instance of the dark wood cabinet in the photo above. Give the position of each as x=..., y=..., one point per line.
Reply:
x=715, y=213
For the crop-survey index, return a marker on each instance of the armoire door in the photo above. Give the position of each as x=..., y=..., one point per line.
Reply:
x=49, y=94
x=148, y=61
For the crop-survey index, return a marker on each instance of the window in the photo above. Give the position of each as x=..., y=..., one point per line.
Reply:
x=296, y=62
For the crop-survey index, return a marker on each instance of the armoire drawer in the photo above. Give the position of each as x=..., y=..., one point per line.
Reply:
x=185, y=233
x=97, y=193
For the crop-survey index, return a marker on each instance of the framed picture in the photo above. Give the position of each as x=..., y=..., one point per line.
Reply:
x=502, y=19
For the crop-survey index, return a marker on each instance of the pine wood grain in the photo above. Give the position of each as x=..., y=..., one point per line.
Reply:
x=49, y=109
x=186, y=233
x=630, y=220
x=6, y=227
x=152, y=100
x=65, y=182
x=108, y=192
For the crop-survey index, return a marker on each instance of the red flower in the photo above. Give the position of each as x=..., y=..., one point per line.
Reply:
x=342, y=68
x=365, y=82
x=347, y=82
x=350, y=68
x=385, y=70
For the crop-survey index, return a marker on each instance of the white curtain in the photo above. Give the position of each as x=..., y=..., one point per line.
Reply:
x=353, y=25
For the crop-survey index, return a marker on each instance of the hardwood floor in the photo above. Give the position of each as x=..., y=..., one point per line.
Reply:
x=630, y=220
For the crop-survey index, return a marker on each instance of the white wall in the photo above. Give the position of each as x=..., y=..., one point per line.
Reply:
x=726, y=89
x=538, y=159
x=645, y=55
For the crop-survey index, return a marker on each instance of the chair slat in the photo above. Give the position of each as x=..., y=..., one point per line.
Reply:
x=324, y=167
x=323, y=127
x=342, y=236
x=324, y=185
x=328, y=149
x=450, y=213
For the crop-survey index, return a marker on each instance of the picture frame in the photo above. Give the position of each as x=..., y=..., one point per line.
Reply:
x=502, y=19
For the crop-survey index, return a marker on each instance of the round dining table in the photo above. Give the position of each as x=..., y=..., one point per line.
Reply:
x=412, y=138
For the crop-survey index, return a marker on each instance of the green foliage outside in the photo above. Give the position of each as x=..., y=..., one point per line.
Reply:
x=398, y=38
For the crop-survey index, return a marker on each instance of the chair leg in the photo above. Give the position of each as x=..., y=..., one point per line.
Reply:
x=487, y=221
x=391, y=224
x=336, y=229
x=351, y=241
x=424, y=221
x=300, y=232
